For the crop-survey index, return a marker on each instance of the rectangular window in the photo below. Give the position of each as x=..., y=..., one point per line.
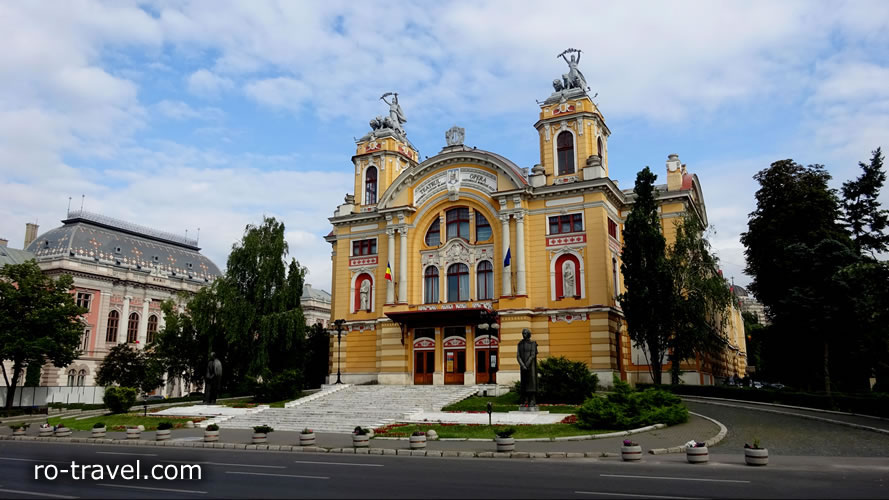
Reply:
x=612, y=228
x=86, y=340
x=84, y=300
x=571, y=223
x=364, y=247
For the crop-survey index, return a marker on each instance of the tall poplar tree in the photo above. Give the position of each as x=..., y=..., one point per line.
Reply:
x=647, y=302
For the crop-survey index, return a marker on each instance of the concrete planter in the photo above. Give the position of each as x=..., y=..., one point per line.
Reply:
x=45, y=432
x=18, y=431
x=211, y=436
x=62, y=432
x=505, y=444
x=260, y=438
x=162, y=435
x=134, y=433
x=97, y=432
x=418, y=442
x=756, y=456
x=360, y=440
x=697, y=455
x=307, y=439
x=631, y=453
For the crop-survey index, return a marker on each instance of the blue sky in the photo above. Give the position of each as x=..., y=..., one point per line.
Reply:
x=200, y=114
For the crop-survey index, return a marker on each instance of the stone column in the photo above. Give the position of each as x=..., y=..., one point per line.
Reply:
x=390, y=285
x=402, y=267
x=505, y=277
x=124, y=320
x=142, y=337
x=520, y=253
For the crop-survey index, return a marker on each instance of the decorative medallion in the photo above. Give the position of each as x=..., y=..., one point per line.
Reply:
x=568, y=317
x=455, y=135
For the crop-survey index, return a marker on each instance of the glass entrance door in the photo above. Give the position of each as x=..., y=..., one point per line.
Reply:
x=424, y=367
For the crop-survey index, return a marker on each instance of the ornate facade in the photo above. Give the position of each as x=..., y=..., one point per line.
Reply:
x=422, y=251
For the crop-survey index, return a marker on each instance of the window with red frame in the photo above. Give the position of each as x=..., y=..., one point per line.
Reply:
x=565, y=152
x=457, y=223
x=364, y=247
x=612, y=228
x=572, y=223
x=433, y=235
x=370, y=186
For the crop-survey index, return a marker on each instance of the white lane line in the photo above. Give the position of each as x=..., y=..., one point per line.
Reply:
x=35, y=493
x=36, y=460
x=131, y=454
x=275, y=475
x=224, y=464
x=171, y=490
x=602, y=493
x=336, y=463
x=677, y=478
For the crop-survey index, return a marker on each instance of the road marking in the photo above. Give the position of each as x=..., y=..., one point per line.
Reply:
x=631, y=495
x=35, y=493
x=336, y=463
x=121, y=453
x=36, y=460
x=224, y=464
x=276, y=475
x=171, y=490
x=677, y=478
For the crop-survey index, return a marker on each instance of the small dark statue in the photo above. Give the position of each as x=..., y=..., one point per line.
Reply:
x=212, y=380
x=527, y=356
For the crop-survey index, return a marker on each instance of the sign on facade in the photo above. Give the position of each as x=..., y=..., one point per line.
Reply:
x=452, y=180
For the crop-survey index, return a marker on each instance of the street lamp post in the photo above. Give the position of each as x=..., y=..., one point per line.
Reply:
x=338, y=324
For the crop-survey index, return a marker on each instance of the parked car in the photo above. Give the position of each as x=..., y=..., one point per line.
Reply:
x=757, y=385
x=154, y=397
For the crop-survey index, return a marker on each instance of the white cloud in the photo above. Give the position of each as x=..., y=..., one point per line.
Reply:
x=206, y=84
x=281, y=93
x=179, y=110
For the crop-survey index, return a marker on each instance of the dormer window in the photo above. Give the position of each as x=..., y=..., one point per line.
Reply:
x=118, y=250
x=370, y=186
x=565, y=152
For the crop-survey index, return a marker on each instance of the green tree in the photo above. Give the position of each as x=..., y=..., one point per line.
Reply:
x=867, y=339
x=864, y=218
x=794, y=250
x=179, y=348
x=700, y=296
x=755, y=332
x=39, y=321
x=317, y=356
x=646, y=304
x=129, y=367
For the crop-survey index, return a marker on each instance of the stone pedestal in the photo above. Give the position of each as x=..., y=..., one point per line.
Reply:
x=534, y=408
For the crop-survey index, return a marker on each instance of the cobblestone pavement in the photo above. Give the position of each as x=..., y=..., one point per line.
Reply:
x=790, y=435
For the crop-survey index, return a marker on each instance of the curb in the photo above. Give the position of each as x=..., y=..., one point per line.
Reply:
x=805, y=408
x=713, y=441
x=586, y=437
x=810, y=417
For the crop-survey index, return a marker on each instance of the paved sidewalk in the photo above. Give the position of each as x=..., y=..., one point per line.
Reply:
x=696, y=428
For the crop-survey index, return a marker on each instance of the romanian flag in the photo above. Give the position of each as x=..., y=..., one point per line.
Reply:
x=388, y=272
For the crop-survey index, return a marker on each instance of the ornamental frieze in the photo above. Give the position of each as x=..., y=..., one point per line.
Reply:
x=567, y=317
x=363, y=261
x=558, y=241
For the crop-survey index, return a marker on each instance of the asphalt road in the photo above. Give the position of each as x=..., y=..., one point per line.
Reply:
x=252, y=474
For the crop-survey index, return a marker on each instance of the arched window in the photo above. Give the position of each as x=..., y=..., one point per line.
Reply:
x=565, y=152
x=458, y=283
x=430, y=285
x=133, y=328
x=81, y=378
x=485, y=280
x=152, y=328
x=567, y=277
x=71, y=374
x=363, y=292
x=111, y=330
x=599, y=146
x=370, y=186
x=458, y=223
x=482, y=228
x=433, y=235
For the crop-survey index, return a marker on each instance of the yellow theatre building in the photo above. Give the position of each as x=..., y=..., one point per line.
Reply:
x=424, y=252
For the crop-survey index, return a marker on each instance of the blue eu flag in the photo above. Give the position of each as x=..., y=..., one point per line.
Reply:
x=508, y=258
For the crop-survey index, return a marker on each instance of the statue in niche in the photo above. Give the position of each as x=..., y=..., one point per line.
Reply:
x=569, y=286
x=574, y=79
x=364, y=295
x=527, y=357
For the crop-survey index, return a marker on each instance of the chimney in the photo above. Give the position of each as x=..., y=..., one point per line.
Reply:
x=3, y=242
x=30, y=233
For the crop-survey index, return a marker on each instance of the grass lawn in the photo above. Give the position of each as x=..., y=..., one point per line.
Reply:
x=486, y=432
x=505, y=403
x=121, y=421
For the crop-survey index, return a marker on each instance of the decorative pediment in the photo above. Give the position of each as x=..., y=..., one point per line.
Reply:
x=457, y=251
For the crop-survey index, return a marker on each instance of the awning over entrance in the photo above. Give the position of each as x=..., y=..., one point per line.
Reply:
x=447, y=317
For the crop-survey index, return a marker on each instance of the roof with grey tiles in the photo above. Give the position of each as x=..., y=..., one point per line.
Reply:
x=13, y=256
x=310, y=293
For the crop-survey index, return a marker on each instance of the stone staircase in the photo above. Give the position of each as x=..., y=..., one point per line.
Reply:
x=341, y=409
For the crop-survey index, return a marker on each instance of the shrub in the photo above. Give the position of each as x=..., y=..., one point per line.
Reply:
x=308, y=431
x=19, y=425
x=98, y=425
x=418, y=433
x=119, y=399
x=359, y=431
x=505, y=433
x=285, y=385
x=561, y=380
x=262, y=429
x=164, y=425
x=212, y=427
x=626, y=409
